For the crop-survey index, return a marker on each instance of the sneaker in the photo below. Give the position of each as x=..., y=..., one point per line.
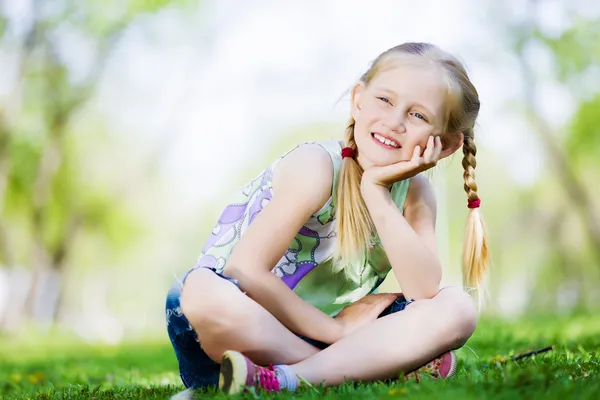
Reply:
x=238, y=372
x=442, y=367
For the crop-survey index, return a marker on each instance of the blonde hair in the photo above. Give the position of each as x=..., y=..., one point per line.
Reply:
x=356, y=230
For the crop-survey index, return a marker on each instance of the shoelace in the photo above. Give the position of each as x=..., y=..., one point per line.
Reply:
x=266, y=378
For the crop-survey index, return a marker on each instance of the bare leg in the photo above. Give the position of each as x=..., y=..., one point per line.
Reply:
x=226, y=319
x=396, y=343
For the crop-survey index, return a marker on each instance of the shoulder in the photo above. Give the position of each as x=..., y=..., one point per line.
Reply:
x=420, y=198
x=305, y=174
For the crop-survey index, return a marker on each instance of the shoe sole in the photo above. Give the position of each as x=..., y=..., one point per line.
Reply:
x=453, y=365
x=234, y=370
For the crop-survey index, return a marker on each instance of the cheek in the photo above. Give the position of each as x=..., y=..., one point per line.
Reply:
x=369, y=114
x=364, y=123
x=421, y=135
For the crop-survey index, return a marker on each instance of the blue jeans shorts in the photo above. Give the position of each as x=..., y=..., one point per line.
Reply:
x=196, y=368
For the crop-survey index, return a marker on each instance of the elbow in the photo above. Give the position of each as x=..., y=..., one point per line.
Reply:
x=236, y=271
x=245, y=276
x=432, y=286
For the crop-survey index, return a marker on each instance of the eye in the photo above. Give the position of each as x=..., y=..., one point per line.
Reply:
x=385, y=100
x=420, y=116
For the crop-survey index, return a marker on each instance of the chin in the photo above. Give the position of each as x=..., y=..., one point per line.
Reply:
x=380, y=160
x=383, y=157
x=386, y=162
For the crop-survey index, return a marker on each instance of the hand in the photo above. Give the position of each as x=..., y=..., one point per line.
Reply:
x=387, y=175
x=364, y=311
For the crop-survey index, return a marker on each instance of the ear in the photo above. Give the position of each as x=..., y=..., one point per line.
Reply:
x=355, y=104
x=451, y=143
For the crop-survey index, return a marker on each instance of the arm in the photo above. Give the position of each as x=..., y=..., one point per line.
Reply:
x=302, y=183
x=409, y=241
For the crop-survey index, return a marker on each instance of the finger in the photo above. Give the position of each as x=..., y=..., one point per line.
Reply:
x=436, y=152
x=428, y=154
x=416, y=157
x=438, y=148
x=378, y=297
x=387, y=298
x=383, y=304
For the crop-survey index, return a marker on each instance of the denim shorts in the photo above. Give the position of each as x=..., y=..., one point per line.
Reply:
x=196, y=368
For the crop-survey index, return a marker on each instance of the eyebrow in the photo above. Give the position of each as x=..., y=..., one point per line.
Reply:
x=389, y=91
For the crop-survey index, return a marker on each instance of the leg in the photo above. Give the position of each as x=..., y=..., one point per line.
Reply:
x=196, y=369
x=226, y=319
x=396, y=343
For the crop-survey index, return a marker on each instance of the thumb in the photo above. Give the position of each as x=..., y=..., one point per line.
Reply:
x=385, y=299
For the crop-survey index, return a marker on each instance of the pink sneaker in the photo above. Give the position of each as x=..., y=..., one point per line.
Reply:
x=238, y=372
x=442, y=367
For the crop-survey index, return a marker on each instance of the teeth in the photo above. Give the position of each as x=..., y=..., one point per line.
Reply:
x=386, y=141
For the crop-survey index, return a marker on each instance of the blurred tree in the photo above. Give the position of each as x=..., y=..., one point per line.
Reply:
x=569, y=149
x=44, y=196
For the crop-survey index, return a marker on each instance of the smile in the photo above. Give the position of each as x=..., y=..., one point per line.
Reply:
x=387, y=142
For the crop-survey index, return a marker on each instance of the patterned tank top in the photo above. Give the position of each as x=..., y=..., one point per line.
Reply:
x=306, y=266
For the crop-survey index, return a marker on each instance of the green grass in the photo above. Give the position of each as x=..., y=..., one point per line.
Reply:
x=67, y=369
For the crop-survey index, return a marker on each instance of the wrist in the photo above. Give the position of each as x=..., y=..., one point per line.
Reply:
x=338, y=331
x=371, y=190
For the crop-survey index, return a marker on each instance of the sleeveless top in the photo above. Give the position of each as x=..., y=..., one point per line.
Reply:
x=306, y=266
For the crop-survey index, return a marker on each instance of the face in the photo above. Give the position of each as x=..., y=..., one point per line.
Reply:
x=398, y=110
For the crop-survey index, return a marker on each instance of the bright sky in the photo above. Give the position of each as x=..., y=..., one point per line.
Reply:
x=225, y=81
x=232, y=77
x=221, y=82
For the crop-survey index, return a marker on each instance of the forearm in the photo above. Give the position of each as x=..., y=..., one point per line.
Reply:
x=415, y=266
x=298, y=316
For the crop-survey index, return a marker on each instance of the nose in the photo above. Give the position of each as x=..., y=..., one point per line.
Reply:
x=396, y=122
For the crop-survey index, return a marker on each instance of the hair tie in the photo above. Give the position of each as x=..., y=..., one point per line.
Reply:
x=474, y=203
x=348, y=152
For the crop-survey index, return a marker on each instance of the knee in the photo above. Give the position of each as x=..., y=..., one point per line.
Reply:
x=458, y=314
x=206, y=307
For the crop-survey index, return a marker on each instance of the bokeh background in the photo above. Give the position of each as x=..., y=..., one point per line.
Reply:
x=125, y=125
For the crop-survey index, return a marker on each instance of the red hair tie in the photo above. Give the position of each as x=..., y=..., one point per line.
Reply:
x=474, y=203
x=348, y=152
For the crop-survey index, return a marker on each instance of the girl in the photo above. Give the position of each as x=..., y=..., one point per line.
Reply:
x=288, y=275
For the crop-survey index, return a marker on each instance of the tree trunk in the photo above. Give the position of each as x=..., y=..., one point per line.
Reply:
x=60, y=264
x=575, y=191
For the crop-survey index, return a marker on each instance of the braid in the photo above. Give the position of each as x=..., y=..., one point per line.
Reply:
x=355, y=226
x=469, y=164
x=475, y=252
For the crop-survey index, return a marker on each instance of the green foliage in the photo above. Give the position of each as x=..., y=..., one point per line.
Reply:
x=24, y=158
x=576, y=49
x=75, y=201
x=584, y=138
x=50, y=100
x=576, y=53
x=117, y=223
x=105, y=18
x=67, y=369
x=2, y=26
